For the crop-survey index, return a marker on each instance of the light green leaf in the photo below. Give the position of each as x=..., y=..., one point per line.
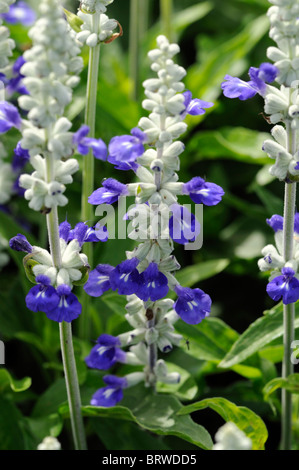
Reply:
x=204, y=343
x=6, y=380
x=291, y=384
x=199, y=272
x=246, y=420
x=235, y=143
x=189, y=276
x=155, y=412
x=257, y=336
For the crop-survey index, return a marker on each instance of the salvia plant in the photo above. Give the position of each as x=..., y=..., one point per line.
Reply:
x=123, y=331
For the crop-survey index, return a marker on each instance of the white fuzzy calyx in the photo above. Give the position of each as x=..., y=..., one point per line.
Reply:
x=71, y=263
x=7, y=44
x=284, y=30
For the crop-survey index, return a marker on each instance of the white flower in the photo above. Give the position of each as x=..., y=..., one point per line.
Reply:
x=49, y=443
x=230, y=437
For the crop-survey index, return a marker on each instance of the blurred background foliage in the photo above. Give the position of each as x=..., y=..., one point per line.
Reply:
x=224, y=146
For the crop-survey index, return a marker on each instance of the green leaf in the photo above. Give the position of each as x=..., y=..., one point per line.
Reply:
x=115, y=302
x=246, y=420
x=259, y=334
x=204, y=343
x=155, y=412
x=121, y=435
x=291, y=384
x=186, y=17
x=199, y=272
x=228, y=58
x=11, y=421
x=189, y=276
x=234, y=143
x=6, y=380
x=39, y=428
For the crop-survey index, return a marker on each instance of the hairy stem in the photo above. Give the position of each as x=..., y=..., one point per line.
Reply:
x=288, y=310
x=152, y=351
x=69, y=364
x=166, y=7
x=72, y=385
x=87, y=214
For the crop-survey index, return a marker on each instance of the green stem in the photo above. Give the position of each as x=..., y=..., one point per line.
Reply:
x=166, y=8
x=134, y=47
x=69, y=363
x=288, y=310
x=143, y=17
x=87, y=214
x=72, y=385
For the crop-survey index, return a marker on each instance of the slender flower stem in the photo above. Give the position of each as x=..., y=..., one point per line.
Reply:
x=72, y=385
x=134, y=47
x=143, y=17
x=69, y=363
x=88, y=169
x=288, y=310
x=166, y=7
x=152, y=351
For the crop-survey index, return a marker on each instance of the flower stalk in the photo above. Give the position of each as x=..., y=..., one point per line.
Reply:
x=289, y=309
x=281, y=106
x=72, y=385
x=88, y=170
x=166, y=8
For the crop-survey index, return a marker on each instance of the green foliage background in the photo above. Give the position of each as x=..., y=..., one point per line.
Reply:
x=224, y=146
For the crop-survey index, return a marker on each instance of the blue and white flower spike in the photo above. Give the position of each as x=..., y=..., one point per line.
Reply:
x=147, y=274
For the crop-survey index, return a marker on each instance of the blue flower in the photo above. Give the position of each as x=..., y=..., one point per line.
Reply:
x=105, y=353
x=201, y=192
x=68, y=307
x=112, y=394
x=20, y=12
x=84, y=144
x=236, y=88
x=109, y=193
x=192, y=305
x=64, y=230
x=276, y=222
x=83, y=234
x=99, y=280
x=21, y=157
x=9, y=117
x=183, y=225
x=153, y=284
x=20, y=243
x=285, y=287
x=194, y=107
x=42, y=297
x=123, y=166
x=15, y=84
x=125, y=277
x=124, y=150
